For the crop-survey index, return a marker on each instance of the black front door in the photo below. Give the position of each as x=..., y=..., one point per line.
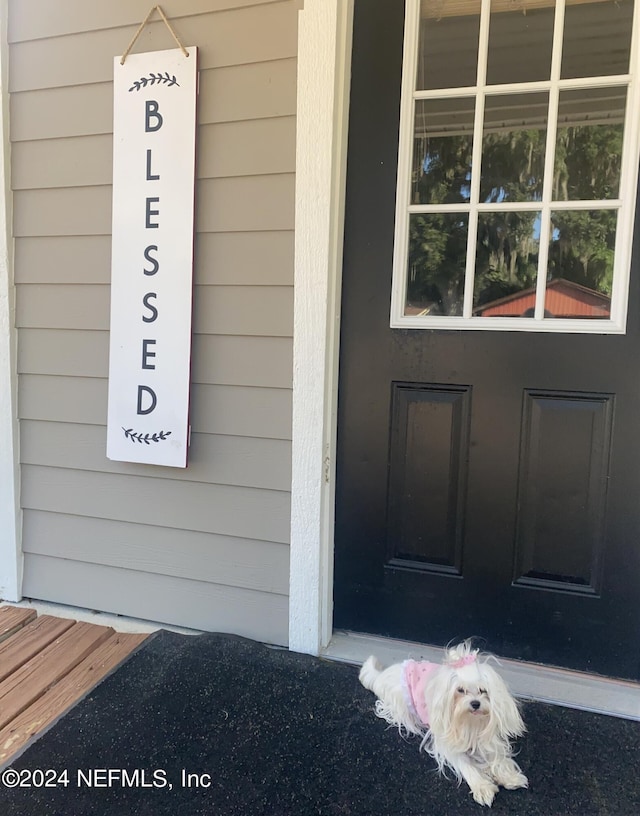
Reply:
x=488, y=483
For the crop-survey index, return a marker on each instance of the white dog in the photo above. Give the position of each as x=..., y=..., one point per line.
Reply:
x=463, y=711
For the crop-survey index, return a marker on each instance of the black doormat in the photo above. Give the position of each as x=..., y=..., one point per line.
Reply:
x=220, y=725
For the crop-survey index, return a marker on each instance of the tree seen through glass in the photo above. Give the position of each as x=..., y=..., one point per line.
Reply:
x=586, y=167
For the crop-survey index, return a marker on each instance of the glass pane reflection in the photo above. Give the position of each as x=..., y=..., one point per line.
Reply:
x=580, y=271
x=448, y=46
x=597, y=38
x=506, y=264
x=436, y=266
x=513, y=147
x=589, y=143
x=442, y=145
x=519, y=44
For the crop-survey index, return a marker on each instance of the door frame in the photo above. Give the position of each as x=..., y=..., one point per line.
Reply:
x=325, y=28
x=324, y=67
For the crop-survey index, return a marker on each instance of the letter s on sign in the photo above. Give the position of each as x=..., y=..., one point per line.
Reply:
x=151, y=307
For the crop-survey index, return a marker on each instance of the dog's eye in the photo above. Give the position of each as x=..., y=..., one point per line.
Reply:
x=483, y=691
x=460, y=690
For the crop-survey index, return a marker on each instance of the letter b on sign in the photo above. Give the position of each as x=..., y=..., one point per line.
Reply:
x=152, y=116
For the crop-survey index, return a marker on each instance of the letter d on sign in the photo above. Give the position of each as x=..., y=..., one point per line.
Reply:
x=154, y=400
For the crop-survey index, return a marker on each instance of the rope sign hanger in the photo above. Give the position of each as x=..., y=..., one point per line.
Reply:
x=143, y=24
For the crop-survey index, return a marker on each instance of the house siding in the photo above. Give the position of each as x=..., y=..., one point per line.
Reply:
x=207, y=547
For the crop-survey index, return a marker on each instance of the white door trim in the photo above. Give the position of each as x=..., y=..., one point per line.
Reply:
x=324, y=61
x=10, y=514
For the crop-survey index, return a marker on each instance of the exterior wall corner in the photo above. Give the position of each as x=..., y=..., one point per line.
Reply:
x=10, y=514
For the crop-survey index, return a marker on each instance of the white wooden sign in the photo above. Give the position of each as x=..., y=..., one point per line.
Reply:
x=154, y=134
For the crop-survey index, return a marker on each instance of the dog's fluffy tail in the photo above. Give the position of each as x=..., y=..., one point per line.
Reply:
x=370, y=671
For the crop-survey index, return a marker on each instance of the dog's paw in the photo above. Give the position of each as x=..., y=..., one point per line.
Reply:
x=484, y=793
x=509, y=775
x=518, y=780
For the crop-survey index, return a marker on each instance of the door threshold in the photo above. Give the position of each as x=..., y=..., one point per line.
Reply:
x=527, y=681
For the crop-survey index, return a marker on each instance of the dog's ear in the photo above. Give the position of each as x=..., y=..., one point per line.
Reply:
x=439, y=693
x=504, y=708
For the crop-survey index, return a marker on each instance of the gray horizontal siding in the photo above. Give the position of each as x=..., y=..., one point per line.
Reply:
x=237, y=258
x=240, y=92
x=121, y=536
x=226, y=360
x=214, y=459
x=82, y=211
x=76, y=161
x=260, y=311
x=258, y=615
x=178, y=504
x=252, y=203
x=216, y=409
x=33, y=19
x=249, y=148
x=231, y=561
x=253, y=34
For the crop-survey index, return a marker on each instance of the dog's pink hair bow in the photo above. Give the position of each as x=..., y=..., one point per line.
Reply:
x=467, y=660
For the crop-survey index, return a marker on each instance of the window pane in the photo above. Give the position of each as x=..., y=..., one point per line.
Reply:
x=437, y=256
x=502, y=192
x=513, y=147
x=448, y=45
x=580, y=272
x=506, y=264
x=519, y=44
x=597, y=38
x=442, y=143
x=589, y=143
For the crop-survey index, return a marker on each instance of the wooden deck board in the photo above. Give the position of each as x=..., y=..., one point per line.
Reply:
x=46, y=665
x=35, y=636
x=71, y=688
x=13, y=618
x=35, y=676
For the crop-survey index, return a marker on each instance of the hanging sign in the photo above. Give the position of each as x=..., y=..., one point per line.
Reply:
x=154, y=133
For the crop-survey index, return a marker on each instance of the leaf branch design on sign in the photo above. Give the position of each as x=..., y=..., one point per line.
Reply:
x=152, y=79
x=147, y=438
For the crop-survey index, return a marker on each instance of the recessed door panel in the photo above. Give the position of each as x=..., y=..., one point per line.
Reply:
x=427, y=479
x=564, y=474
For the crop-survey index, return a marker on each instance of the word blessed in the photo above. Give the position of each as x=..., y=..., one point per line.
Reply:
x=147, y=397
x=154, y=136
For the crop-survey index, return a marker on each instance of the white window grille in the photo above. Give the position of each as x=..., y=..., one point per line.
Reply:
x=517, y=165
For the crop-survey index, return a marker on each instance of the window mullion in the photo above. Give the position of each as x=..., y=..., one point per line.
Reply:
x=628, y=180
x=476, y=157
x=549, y=160
x=403, y=185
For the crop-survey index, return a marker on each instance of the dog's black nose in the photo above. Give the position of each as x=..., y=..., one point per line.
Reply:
x=475, y=704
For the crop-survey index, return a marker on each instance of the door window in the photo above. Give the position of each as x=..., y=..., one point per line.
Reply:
x=517, y=165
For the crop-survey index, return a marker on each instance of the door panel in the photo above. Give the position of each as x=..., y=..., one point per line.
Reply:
x=559, y=541
x=487, y=482
x=428, y=457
